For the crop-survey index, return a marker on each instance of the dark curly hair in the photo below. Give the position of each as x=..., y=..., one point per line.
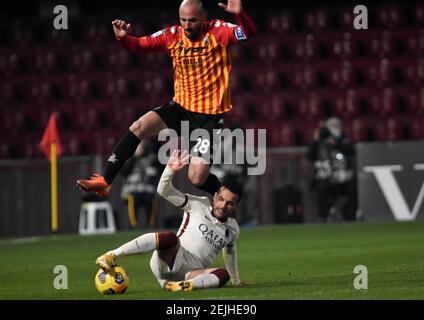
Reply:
x=234, y=186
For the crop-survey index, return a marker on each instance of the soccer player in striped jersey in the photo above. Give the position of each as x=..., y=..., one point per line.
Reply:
x=201, y=63
x=181, y=261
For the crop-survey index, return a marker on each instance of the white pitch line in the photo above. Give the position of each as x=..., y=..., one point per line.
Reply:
x=20, y=240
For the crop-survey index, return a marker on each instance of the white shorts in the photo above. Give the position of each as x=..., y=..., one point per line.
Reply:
x=183, y=264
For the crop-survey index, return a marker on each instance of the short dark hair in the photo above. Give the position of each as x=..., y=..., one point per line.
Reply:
x=234, y=186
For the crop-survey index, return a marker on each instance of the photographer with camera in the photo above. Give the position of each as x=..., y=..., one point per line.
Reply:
x=332, y=156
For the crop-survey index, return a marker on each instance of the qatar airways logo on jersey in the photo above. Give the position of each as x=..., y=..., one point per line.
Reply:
x=211, y=237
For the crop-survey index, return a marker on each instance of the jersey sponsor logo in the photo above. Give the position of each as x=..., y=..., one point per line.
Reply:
x=190, y=50
x=240, y=34
x=212, y=237
x=192, y=62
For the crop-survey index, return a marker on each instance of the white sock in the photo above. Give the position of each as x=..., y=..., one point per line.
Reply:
x=204, y=281
x=142, y=244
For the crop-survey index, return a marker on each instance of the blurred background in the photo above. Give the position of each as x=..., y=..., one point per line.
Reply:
x=307, y=64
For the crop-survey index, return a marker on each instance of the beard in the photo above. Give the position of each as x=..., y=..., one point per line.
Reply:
x=191, y=34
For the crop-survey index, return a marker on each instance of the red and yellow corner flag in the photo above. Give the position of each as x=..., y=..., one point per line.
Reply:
x=51, y=147
x=51, y=137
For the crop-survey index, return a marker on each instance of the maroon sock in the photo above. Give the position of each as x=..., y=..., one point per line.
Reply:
x=167, y=240
x=222, y=275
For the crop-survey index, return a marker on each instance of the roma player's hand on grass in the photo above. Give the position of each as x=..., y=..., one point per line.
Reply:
x=244, y=284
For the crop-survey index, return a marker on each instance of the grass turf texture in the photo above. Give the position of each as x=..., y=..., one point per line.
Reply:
x=284, y=262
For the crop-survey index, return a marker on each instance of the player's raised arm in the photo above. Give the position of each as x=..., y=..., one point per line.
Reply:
x=121, y=28
x=155, y=42
x=235, y=7
x=230, y=34
x=176, y=162
x=232, y=6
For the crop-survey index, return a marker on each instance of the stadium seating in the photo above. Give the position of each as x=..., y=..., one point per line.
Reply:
x=302, y=67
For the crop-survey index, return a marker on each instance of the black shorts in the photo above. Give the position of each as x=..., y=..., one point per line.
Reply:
x=202, y=142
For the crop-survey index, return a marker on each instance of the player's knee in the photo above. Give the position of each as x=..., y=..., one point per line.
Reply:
x=138, y=128
x=167, y=240
x=222, y=275
x=197, y=178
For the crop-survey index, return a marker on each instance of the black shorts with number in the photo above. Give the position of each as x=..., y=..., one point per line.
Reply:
x=173, y=115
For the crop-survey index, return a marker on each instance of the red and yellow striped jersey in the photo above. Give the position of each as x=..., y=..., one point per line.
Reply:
x=201, y=68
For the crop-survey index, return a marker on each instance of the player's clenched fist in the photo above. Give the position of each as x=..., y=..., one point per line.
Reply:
x=121, y=28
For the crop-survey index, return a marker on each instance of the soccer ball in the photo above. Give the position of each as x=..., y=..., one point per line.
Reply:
x=114, y=281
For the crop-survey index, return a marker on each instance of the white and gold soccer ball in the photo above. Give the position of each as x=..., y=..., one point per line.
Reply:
x=114, y=281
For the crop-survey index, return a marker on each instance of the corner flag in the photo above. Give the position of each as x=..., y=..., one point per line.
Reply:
x=51, y=147
x=50, y=137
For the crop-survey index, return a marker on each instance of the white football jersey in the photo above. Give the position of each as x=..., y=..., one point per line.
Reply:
x=202, y=234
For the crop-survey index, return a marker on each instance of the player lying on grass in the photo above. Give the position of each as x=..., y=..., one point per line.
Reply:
x=181, y=261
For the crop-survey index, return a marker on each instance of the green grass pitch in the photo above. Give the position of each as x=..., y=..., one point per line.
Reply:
x=283, y=261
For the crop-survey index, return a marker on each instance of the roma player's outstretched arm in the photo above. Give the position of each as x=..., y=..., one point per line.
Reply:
x=151, y=241
x=176, y=162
